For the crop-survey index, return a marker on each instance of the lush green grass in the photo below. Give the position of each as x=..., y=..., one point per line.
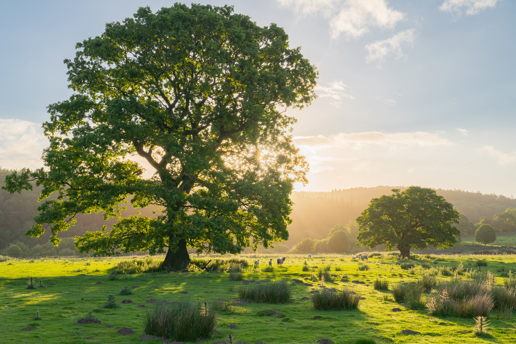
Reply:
x=72, y=290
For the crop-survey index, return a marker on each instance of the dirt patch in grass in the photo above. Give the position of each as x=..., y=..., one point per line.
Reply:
x=108, y=326
x=98, y=282
x=232, y=326
x=125, y=331
x=142, y=306
x=29, y=328
x=324, y=341
x=317, y=317
x=276, y=315
x=84, y=321
x=154, y=288
x=396, y=309
x=152, y=301
x=135, y=287
x=410, y=332
x=183, y=292
x=127, y=301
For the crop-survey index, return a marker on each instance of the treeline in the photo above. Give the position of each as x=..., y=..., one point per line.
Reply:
x=314, y=215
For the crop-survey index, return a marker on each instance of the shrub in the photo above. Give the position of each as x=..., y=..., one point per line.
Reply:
x=111, y=302
x=381, y=284
x=324, y=276
x=335, y=301
x=268, y=269
x=407, y=266
x=363, y=267
x=271, y=292
x=427, y=283
x=126, y=291
x=485, y=234
x=481, y=263
x=409, y=293
x=235, y=276
x=30, y=284
x=136, y=266
x=481, y=325
x=184, y=321
x=14, y=251
x=306, y=268
x=221, y=305
x=425, y=266
x=504, y=298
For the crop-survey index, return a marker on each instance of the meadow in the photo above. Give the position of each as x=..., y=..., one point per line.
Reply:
x=70, y=289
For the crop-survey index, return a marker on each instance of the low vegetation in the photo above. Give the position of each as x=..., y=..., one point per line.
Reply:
x=325, y=300
x=270, y=292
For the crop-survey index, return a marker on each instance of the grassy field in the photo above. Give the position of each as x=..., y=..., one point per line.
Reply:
x=502, y=239
x=75, y=287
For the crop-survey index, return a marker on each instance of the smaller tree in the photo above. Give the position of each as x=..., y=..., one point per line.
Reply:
x=14, y=251
x=415, y=218
x=337, y=242
x=306, y=245
x=321, y=246
x=485, y=234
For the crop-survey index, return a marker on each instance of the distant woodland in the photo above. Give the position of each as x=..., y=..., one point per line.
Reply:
x=314, y=215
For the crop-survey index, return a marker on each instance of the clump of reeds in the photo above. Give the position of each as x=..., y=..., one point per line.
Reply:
x=271, y=292
x=235, y=276
x=381, y=284
x=325, y=300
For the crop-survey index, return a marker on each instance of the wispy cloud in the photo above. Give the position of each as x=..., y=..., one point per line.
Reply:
x=352, y=18
x=21, y=144
x=373, y=137
x=462, y=131
x=336, y=91
x=501, y=157
x=380, y=50
x=471, y=7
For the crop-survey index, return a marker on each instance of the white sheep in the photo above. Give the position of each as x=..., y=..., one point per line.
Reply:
x=362, y=256
x=256, y=263
x=280, y=261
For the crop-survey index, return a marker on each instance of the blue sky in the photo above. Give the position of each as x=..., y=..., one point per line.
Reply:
x=410, y=92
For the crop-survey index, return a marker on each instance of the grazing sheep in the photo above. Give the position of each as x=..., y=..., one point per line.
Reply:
x=256, y=263
x=253, y=256
x=281, y=260
x=362, y=256
x=270, y=262
x=309, y=256
x=353, y=258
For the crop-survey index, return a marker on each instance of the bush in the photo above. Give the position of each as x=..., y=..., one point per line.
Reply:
x=235, y=276
x=427, y=283
x=184, y=321
x=324, y=276
x=363, y=267
x=111, y=302
x=381, y=285
x=126, y=291
x=485, y=234
x=335, y=301
x=14, y=251
x=442, y=304
x=306, y=268
x=504, y=298
x=66, y=252
x=268, y=269
x=409, y=293
x=481, y=263
x=407, y=266
x=271, y=292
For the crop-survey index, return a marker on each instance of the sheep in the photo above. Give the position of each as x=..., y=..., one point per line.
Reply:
x=256, y=263
x=309, y=256
x=362, y=256
x=270, y=262
x=281, y=260
x=253, y=256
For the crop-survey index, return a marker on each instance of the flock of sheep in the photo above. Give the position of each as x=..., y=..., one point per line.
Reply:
x=280, y=261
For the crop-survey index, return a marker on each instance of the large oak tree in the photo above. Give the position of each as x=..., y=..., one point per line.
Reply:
x=414, y=218
x=199, y=93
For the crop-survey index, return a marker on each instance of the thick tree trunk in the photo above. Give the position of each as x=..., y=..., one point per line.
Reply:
x=179, y=259
x=404, y=251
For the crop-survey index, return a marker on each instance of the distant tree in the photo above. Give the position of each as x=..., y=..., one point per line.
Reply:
x=199, y=93
x=505, y=222
x=465, y=226
x=337, y=241
x=485, y=234
x=415, y=218
x=321, y=246
x=14, y=251
x=281, y=248
x=484, y=221
x=306, y=245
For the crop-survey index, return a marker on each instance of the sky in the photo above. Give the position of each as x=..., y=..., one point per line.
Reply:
x=409, y=92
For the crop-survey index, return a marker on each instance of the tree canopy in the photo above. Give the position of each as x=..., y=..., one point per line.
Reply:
x=485, y=234
x=414, y=218
x=199, y=94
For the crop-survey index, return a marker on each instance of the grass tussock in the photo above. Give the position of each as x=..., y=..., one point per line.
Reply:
x=335, y=301
x=126, y=291
x=185, y=321
x=364, y=267
x=306, y=268
x=268, y=269
x=324, y=276
x=271, y=292
x=235, y=276
x=427, y=283
x=136, y=266
x=409, y=294
x=407, y=266
x=381, y=284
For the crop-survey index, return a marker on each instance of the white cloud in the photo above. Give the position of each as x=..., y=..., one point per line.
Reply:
x=463, y=132
x=336, y=91
x=21, y=144
x=350, y=17
x=470, y=6
x=379, y=50
x=501, y=157
x=372, y=137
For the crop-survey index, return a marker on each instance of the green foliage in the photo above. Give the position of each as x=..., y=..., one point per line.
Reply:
x=136, y=266
x=321, y=246
x=481, y=325
x=126, y=291
x=111, y=302
x=414, y=218
x=381, y=284
x=66, y=252
x=326, y=300
x=305, y=246
x=505, y=222
x=364, y=341
x=408, y=293
x=481, y=263
x=407, y=266
x=485, y=234
x=364, y=267
x=337, y=241
x=325, y=276
x=465, y=226
x=184, y=321
x=30, y=284
x=14, y=251
x=270, y=292
x=305, y=268
x=203, y=102
x=235, y=276
x=427, y=283
x=268, y=269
